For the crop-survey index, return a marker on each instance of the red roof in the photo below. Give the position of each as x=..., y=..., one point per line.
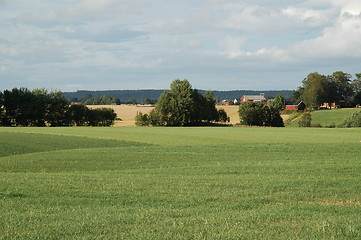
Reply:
x=291, y=107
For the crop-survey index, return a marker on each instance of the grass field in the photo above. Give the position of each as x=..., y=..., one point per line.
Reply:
x=329, y=117
x=180, y=183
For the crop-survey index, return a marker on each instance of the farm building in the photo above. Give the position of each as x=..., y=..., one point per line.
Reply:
x=227, y=102
x=301, y=106
x=254, y=98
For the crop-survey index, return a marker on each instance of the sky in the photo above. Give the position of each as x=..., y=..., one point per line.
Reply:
x=72, y=45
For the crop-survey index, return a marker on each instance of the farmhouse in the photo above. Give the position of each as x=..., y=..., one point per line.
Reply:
x=328, y=105
x=341, y=104
x=301, y=106
x=254, y=98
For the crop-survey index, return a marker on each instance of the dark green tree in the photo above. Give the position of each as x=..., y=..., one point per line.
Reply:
x=181, y=106
x=222, y=116
x=211, y=112
x=315, y=88
x=252, y=114
x=77, y=115
x=176, y=105
x=274, y=118
x=56, y=114
x=101, y=117
x=2, y=114
x=297, y=95
x=19, y=107
x=340, y=87
x=356, y=83
x=258, y=114
x=356, y=86
x=357, y=99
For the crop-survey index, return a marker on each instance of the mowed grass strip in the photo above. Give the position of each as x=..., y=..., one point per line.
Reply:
x=224, y=191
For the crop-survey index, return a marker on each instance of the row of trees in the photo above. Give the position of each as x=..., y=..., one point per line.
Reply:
x=103, y=100
x=108, y=100
x=38, y=107
x=183, y=106
x=337, y=88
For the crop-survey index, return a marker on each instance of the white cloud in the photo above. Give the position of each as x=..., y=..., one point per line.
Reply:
x=310, y=17
x=3, y=68
x=76, y=42
x=338, y=41
x=349, y=6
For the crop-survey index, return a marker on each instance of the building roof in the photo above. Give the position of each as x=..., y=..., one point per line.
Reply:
x=255, y=97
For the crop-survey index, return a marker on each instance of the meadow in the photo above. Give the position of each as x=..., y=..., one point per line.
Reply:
x=180, y=183
x=327, y=117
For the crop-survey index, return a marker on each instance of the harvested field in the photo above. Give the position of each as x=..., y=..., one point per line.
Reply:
x=128, y=112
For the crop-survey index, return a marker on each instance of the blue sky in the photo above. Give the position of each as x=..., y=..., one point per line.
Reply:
x=146, y=44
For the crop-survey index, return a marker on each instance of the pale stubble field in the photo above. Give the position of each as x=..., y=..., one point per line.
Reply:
x=127, y=113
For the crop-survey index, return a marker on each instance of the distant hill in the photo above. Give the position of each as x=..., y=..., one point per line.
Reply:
x=140, y=95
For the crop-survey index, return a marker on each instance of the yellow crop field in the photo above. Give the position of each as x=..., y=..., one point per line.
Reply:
x=127, y=113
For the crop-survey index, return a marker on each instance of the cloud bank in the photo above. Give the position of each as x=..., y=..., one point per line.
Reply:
x=142, y=44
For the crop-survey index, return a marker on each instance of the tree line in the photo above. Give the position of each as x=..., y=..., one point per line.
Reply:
x=337, y=88
x=108, y=100
x=150, y=96
x=39, y=107
x=183, y=106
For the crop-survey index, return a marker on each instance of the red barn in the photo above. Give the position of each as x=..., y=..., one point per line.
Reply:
x=290, y=107
x=227, y=102
x=301, y=106
x=254, y=98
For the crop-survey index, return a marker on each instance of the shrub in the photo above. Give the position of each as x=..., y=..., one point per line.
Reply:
x=101, y=117
x=305, y=120
x=142, y=119
x=258, y=114
x=222, y=116
x=353, y=121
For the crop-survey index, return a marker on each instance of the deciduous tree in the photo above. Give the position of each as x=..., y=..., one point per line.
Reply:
x=315, y=89
x=181, y=106
x=258, y=114
x=340, y=87
x=277, y=103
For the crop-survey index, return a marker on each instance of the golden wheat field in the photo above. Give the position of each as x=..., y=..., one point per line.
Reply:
x=127, y=113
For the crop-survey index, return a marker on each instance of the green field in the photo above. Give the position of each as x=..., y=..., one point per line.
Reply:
x=180, y=183
x=328, y=117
